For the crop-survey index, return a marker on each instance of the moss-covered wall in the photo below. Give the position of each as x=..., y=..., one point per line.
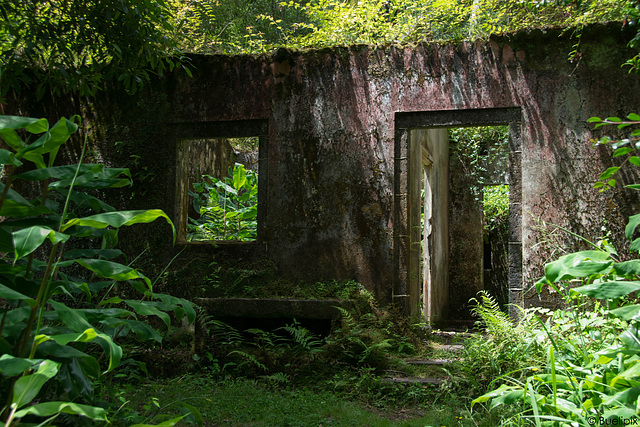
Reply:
x=328, y=191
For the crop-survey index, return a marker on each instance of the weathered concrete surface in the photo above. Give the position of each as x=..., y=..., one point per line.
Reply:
x=329, y=177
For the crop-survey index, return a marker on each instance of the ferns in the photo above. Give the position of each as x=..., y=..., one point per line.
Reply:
x=491, y=317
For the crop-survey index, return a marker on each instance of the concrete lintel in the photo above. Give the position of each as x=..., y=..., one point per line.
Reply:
x=457, y=118
x=222, y=129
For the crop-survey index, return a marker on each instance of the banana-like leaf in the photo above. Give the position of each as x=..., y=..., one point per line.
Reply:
x=185, y=304
x=627, y=312
x=168, y=423
x=148, y=309
x=578, y=264
x=119, y=219
x=74, y=320
x=15, y=196
x=75, y=381
x=28, y=123
x=58, y=135
x=12, y=366
x=85, y=253
x=50, y=348
x=502, y=395
x=60, y=172
x=633, y=223
x=112, y=270
x=631, y=338
x=29, y=239
x=632, y=373
x=609, y=290
x=10, y=294
x=83, y=199
x=88, y=335
x=26, y=388
x=627, y=268
x=141, y=329
x=13, y=209
x=8, y=158
x=48, y=409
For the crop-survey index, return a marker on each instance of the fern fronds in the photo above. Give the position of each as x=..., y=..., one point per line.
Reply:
x=491, y=317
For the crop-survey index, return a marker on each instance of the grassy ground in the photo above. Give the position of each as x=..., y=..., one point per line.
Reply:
x=291, y=377
x=245, y=402
x=312, y=392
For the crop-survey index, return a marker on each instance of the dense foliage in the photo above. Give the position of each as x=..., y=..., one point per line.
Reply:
x=591, y=369
x=236, y=26
x=62, y=288
x=72, y=46
x=228, y=207
x=80, y=46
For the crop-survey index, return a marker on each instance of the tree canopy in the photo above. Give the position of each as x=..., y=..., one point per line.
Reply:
x=82, y=45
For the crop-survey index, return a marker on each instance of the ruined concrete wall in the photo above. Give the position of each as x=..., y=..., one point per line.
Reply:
x=330, y=158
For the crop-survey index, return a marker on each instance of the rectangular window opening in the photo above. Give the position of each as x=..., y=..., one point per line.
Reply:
x=219, y=189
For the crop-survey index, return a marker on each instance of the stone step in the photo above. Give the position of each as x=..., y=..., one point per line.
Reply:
x=453, y=348
x=414, y=380
x=437, y=362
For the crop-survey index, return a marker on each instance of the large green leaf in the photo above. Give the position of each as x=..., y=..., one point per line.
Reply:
x=83, y=199
x=48, y=409
x=608, y=290
x=58, y=135
x=65, y=172
x=578, y=264
x=12, y=295
x=633, y=223
x=87, y=335
x=26, y=388
x=119, y=219
x=146, y=308
x=185, y=304
x=52, y=349
x=141, y=329
x=29, y=239
x=8, y=158
x=627, y=268
x=77, y=322
x=103, y=253
x=502, y=395
x=239, y=176
x=631, y=338
x=11, y=208
x=627, y=312
x=12, y=366
x=32, y=152
x=28, y=123
x=168, y=423
x=112, y=270
x=630, y=373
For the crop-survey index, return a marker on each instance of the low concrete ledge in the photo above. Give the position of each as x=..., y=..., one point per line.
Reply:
x=274, y=308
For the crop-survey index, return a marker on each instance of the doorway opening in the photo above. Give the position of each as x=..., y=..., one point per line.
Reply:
x=439, y=227
x=479, y=216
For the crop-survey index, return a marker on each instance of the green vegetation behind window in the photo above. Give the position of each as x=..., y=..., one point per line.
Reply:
x=228, y=207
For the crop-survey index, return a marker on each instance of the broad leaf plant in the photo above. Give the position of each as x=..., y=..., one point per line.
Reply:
x=61, y=317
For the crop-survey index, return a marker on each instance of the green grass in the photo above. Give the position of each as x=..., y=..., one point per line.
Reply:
x=251, y=403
